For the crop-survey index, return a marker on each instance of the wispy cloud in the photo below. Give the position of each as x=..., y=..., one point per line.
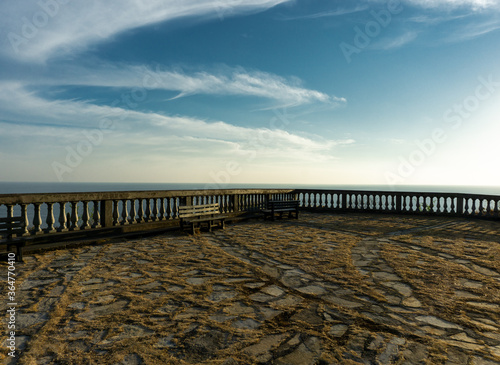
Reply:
x=228, y=81
x=463, y=19
x=38, y=30
x=472, y=4
x=329, y=13
x=395, y=42
x=62, y=122
x=474, y=30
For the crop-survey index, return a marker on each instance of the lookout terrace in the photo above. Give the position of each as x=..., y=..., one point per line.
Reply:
x=342, y=284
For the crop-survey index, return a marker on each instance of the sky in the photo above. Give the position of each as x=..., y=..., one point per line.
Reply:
x=261, y=91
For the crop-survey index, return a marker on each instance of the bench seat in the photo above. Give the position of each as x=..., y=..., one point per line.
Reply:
x=278, y=207
x=12, y=229
x=197, y=216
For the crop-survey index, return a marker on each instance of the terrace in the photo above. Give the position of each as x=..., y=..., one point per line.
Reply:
x=329, y=288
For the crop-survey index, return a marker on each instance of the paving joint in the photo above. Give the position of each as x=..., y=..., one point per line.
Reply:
x=285, y=292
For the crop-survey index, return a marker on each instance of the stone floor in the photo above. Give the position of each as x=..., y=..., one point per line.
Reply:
x=324, y=289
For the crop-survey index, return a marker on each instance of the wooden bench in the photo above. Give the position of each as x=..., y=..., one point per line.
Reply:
x=10, y=229
x=281, y=206
x=198, y=215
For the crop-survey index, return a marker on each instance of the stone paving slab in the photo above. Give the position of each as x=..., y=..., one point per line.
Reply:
x=324, y=289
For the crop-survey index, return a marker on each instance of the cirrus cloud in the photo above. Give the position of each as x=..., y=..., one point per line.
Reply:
x=40, y=30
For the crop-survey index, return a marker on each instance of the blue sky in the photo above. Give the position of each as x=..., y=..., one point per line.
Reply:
x=262, y=91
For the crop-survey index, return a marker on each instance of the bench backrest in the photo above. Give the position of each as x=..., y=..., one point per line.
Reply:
x=11, y=226
x=283, y=204
x=186, y=211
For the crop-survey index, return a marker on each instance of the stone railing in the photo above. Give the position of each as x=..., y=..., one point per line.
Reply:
x=60, y=215
x=452, y=204
x=46, y=214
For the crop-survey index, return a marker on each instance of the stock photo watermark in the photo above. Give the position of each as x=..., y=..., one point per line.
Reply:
x=453, y=118
x=372, y=29
x=76, y=154
x=11, y=310
x=31, y=26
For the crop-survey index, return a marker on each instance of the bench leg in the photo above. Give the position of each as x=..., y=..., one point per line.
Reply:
x=20, y=252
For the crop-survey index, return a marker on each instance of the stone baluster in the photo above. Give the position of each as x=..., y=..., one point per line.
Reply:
x=154, y=217
x=141, y=211
x=133, y=212
x=24, y=215
x=148, y=210
x=168, y=213
x=162, y=209
x=37, y=220
x=62, y=218
x=96, y=216
x=85, y=216
x=116, y=215
x=477, y=206
x=124, y=221
x=175, y=211
x=50, y=218
x=74, y=217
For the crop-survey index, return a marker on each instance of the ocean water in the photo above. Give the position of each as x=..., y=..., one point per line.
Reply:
x=57, y=187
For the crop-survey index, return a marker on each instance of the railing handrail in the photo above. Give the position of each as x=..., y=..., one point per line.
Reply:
x=29, y=198
x=409, y=193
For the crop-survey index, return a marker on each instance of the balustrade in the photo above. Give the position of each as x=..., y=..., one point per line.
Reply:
x=49, y=213
x=96, y=216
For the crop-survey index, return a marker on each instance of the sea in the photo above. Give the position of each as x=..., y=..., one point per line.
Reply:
x=73, y=187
